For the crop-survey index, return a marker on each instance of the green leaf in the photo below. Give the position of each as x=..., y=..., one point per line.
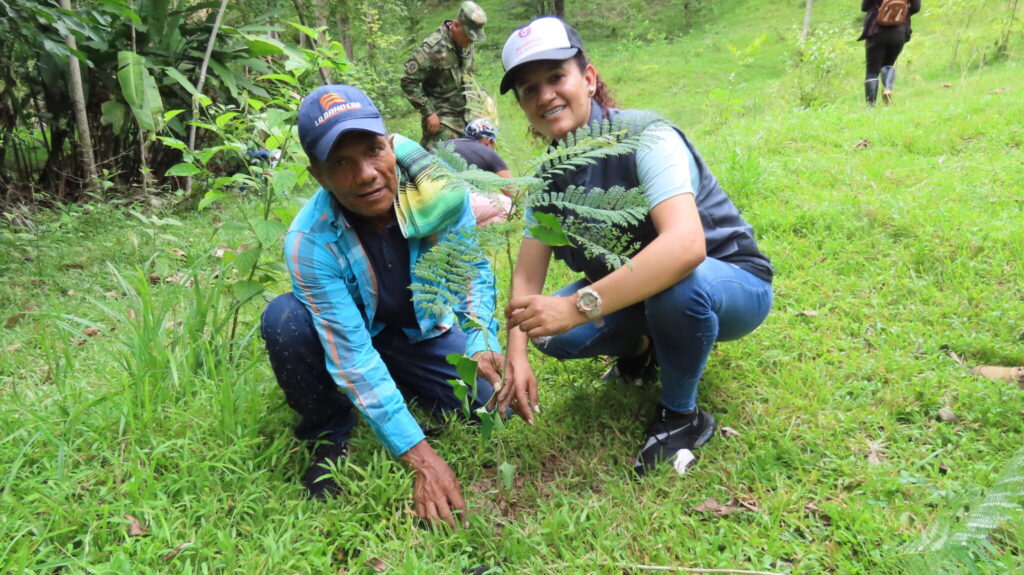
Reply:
x=171, y=114
x=286, y=215
x=460, y=390
x=284, y=180
x=508, y=473
x=262, y=47
x=139, y=89
x=224, y=118
x=246, y=290
x=465, y=366
x=183, y=169
x=280, y=77
x=268, y=231
x=226, y=76
x=206, y=154
x=549, y=231
x=180, y=78
x=247, y=260
x=173, y=143
x=306, y=30
x=209, y=198
x=114, y=115
x=296, y=59
x=490, y=422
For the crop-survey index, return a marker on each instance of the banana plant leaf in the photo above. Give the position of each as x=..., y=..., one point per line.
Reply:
x=140, y=91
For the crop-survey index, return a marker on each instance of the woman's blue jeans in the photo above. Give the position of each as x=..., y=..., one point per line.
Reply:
x=716, y=302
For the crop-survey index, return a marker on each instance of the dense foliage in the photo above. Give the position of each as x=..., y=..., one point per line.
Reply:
x=141, y=59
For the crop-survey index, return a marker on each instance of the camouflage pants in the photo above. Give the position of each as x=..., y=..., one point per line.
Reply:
x=451, y=128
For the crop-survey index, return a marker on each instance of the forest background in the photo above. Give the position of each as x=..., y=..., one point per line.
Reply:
x=140, y=425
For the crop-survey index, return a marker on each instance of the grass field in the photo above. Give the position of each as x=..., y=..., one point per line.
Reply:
x=156, y=445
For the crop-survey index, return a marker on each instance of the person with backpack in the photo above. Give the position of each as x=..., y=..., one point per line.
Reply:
x=886, y=30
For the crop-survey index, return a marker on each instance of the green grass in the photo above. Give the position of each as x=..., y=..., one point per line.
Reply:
x=907, y=250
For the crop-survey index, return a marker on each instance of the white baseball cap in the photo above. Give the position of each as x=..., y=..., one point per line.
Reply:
x=547, y=38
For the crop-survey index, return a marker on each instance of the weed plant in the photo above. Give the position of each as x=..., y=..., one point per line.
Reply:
x=133, y=441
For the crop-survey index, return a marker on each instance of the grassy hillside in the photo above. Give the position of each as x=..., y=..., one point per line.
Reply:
x=896, y=233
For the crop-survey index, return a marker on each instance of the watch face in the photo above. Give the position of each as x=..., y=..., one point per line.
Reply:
x=587, y=302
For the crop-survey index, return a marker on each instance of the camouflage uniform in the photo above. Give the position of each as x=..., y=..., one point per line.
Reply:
x=435, y=80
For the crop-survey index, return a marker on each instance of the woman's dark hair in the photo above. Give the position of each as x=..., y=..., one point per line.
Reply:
x=602, y=93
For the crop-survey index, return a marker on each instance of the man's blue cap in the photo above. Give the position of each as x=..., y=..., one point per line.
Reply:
x=330, y=111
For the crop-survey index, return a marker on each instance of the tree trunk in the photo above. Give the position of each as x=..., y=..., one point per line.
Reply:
x=560, y=8
x=807, y=20
x=199, y=86
x=345, y=33
x=81, y=118
x=321, y=23
x=300, y=11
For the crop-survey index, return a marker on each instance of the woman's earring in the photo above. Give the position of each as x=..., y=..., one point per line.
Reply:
x=590, y=91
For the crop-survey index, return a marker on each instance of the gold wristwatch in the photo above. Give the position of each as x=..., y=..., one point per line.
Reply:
x=588, y=302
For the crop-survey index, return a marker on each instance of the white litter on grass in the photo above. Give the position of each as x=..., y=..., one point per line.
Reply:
x=684, y=461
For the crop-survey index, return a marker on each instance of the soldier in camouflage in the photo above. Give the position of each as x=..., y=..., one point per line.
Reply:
x=435, y=76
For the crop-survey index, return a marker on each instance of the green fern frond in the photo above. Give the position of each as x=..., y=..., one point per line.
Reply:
x=600, y=140
x=595, y=219
x=951, y=544
x=579, y=198
x=446, y=270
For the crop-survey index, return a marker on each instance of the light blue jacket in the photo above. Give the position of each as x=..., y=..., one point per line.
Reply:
x=333, y=278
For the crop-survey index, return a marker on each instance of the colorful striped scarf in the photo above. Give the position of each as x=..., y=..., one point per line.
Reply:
x=429, y=199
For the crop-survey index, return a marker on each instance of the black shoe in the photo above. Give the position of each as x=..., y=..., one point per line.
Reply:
x=671, y=433
x=317, y=480
x=639, y=370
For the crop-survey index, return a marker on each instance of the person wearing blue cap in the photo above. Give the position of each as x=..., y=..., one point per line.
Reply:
x=349, y=337
x=477, y=149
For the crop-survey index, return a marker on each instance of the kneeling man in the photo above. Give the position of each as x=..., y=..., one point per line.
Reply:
x=349, y=337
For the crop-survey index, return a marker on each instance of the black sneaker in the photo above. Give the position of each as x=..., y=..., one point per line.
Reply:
x=639, y=370
x=672, y=435
x=317, y=480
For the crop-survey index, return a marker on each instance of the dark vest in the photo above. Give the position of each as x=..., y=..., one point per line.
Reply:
x=728, y=237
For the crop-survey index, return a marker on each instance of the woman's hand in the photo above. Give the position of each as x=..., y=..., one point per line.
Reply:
x=520, y=389
x=543, y=315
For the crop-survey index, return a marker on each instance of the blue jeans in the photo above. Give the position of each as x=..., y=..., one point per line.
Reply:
x=419, y=369
x=716, y=302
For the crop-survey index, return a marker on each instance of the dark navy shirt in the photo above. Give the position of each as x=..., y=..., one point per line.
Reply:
x=388, y=252
x=477, y=154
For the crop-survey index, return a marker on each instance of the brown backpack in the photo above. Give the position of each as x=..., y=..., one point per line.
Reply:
x=893, y=12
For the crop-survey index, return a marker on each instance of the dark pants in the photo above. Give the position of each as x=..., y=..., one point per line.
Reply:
x=883, y=49
x=419, y=369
